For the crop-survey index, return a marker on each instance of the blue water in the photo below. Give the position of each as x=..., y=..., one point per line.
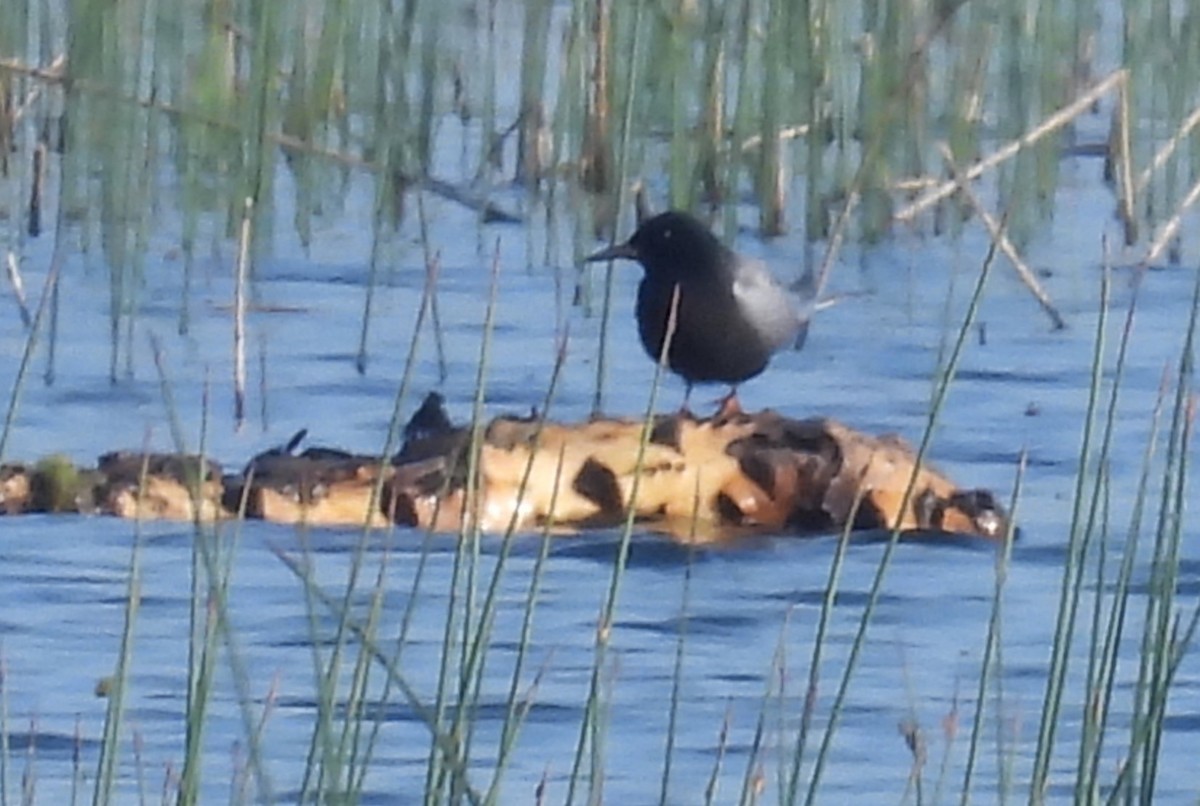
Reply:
x=752, y=609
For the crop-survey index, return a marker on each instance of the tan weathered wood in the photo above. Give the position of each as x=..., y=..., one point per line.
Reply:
x=702, y=479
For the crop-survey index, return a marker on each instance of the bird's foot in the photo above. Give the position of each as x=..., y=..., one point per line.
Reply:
x=728, y=408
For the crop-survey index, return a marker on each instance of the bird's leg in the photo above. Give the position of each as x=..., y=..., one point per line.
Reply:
x=684, y=411
x=729, y=407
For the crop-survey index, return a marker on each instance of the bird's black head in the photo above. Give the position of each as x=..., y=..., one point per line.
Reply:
x=670, y=245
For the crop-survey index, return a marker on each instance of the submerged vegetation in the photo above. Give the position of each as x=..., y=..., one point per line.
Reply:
x=844, y=120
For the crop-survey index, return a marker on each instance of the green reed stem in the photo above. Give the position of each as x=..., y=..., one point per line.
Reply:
x=514, y=717
x=991, y=647
x=31, y=339
x=680, y=644
x=466, y=560
x=427, y=716
x=604, y=624
x=1093, y=721
x=751, y=779
x=106, y=766
x=354, y=708
x=1077, y=547
x=885, y=561
x=474, y=663
x=1120, y=602
x=814, y=667
x=1159, y=643
x=623, y=160
x=432, y=268
x=5, y=747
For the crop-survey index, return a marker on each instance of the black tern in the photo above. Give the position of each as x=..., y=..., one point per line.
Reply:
x=732, y=316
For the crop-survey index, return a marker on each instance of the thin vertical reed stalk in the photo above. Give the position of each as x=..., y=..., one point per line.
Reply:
x=435, y=318
x=680, y=644
x=708, y=173
x=1096, y=691
x=354, y=705
x=678, y=60
x=710, y=789
x=239, y=316
x=212, y=573
x=533, y=76
x=743, y=106
x=604, y=624
x=514, y=717
x=383, y=190
x=466, y=560
x=320, y=759
x=26, y=356
x=106, y=765
x=812, y=689
x=475, y=659
x=989, y=664
x=1077, y=547
x=623, y=158
x=454, y=765
x=752, y=778
x=771, y=188
x=393, y=435
x=905, y=501
x=334, y=757
x=5, y=746
x=219, y=576
x=394, y=660
x=18, y=288
x=1106, y=675
x=1159, y=645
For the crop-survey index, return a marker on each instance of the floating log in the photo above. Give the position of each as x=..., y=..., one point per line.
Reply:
x=700, y=479
x=763, y=473
x=152, y=486
x=319, y=486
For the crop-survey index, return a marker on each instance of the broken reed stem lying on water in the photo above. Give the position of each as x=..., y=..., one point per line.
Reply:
x=996, y=233
x=1051, y=124
x=1166, y=150
x=1172, y=227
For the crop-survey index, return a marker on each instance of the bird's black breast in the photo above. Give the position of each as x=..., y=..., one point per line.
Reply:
x=712, y=340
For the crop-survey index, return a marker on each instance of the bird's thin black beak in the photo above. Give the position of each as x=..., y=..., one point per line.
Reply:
x=621, y=250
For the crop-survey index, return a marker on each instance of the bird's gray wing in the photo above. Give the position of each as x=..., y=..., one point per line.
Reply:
x=765, y=303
